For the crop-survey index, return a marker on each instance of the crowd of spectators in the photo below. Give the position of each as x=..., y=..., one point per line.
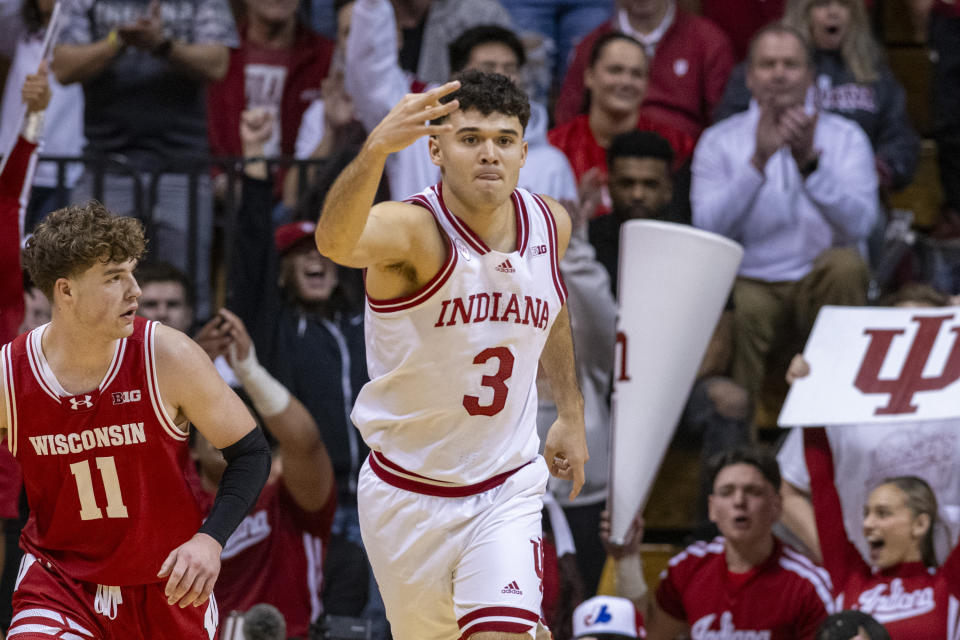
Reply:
x=779, y=125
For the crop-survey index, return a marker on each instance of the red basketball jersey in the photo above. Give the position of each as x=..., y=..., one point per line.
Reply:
x=103, y=469
x=276, y=556
x=785, y=598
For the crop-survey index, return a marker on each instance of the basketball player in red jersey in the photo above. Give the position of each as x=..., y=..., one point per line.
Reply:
x=464, y=300
x=95, y=406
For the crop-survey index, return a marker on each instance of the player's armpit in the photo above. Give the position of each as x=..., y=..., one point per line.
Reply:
x=564, y=224
x=190, y=385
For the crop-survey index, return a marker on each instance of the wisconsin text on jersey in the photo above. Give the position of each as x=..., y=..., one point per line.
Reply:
x=116, y=435
x=486, y=307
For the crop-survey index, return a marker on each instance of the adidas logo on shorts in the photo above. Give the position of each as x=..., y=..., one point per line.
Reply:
x=513, y=588
x=505, y=267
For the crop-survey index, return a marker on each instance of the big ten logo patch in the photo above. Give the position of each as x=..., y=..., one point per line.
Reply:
x=913, y=371
x=123, y=397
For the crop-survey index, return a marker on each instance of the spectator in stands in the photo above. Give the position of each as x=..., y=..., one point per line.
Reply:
x=309, y=335
x=688, y=59
x=563, y=23
x=22, y=28
x=276, y=554
x=376, y=82
x=279, y=67
x=607, y=617
x=167, y=295
x=144, y=75
x=852, y=79
x=866, y=454
x=745, y=583
x=800, y=199
x=942, y=21
x=851, y=625
x=428, y=27
x=901, y=584
x=617, y=80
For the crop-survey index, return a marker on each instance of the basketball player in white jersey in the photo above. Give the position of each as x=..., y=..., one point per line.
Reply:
x=464, y=302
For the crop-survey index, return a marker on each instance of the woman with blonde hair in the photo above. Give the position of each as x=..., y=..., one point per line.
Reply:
x=853, y=79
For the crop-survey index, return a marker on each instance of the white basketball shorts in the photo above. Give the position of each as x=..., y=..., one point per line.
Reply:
x=449, y=567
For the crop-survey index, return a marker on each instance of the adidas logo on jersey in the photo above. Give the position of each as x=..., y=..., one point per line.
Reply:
x=512, y=588
x=505, y=267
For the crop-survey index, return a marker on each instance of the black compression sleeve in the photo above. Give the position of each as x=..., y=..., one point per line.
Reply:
x=248, y=465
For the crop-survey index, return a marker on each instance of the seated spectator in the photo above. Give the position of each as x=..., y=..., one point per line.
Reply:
x=617, y=80
x=868, y=453
x=376, y=82
x=852, y=79
x=901, y=584
x=607, y=618
x=745, y=583
x=428, y=27
x=276, y=554
x=688, y=60
x=798, y=191
x=851, y=625
x=22, y=29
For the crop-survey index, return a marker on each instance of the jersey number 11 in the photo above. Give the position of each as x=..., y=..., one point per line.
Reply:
x=111, y=485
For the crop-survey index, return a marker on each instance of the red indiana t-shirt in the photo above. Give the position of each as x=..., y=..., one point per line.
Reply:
x=911, y=601
x=785, y=598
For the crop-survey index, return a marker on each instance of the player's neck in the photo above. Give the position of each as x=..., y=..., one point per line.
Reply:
x=743, y=556
x=78, y=359
x=496, y=225
x=605, y=125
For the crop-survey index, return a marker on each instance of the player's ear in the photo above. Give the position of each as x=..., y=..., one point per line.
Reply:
x=436, y=155
x=62, y=288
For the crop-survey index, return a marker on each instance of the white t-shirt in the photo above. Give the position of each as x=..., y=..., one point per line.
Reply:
x=865, y=455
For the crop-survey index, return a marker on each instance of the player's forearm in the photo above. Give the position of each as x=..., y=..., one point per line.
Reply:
x=631, y=583
x=207, y=61
x=559, y=365
x=347, y=205
x=81, y=62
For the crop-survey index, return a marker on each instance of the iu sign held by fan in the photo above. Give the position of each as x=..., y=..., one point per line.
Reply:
x=878, y=365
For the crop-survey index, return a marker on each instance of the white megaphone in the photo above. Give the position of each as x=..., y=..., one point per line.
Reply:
x=673, y=285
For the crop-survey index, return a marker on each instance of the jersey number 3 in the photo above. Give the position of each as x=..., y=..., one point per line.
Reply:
x=111, y=485
x=497, y=382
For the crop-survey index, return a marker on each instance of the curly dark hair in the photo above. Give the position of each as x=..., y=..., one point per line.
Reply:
x=489, y=93
x=72, y=239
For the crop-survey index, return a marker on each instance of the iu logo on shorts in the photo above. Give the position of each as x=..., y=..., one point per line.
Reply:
x=538, y=559
x=77, y=403
x=911, y=379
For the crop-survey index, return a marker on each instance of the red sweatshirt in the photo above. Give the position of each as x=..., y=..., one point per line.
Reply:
x=687, y=75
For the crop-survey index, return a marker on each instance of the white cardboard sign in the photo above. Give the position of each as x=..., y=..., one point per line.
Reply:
x=878, y=365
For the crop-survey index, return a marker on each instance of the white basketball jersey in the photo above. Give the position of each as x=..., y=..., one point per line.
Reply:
x=452, y=394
